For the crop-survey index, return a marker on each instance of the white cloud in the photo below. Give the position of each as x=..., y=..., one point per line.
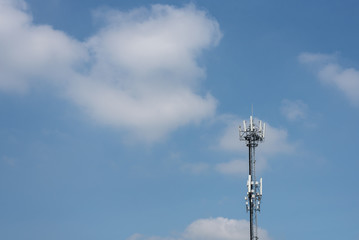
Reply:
x=195, y=168
x=148, y=115
x=9, y=161
x=135, y=236
x=276, y=142
x=139, y=73
x=294, y=110
x=213, y=229
x=276, y=139
x=221, y=229
x=30, y=52
x=316, y=58
x=330, y=72
x=234, y=167
x=229, y=139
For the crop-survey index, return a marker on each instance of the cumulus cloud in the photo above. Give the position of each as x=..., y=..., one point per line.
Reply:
x=233, y=167
x=294, y=110
x=212, y=229
x=221, y=228
x=276, y=142
x=31, y=52
x=316, y=58
x=139, y=73
x=330, y=72
x=195, y=168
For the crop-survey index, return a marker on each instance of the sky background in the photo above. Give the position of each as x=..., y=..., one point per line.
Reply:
x=119, y=119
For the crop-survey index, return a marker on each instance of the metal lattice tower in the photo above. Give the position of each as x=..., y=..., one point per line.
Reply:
x=253, y=134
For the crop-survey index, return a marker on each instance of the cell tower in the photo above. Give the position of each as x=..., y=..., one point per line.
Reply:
x=253, y=134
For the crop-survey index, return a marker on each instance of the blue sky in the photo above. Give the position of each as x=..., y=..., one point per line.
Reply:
x=119, y=119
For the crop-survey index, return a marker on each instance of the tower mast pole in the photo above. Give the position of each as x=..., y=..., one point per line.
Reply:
x=252, y=134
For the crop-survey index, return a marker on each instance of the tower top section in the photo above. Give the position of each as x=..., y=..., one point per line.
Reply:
x=252, y=131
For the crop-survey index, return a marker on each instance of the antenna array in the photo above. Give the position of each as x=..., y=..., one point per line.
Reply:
x=253, y=133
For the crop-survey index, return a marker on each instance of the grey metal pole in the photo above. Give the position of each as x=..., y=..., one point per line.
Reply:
x=250, y=147
x=253, y=134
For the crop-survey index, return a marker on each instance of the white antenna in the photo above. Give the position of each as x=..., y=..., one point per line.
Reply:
x=251, y=122
x=264, y=130
x=249, y=184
